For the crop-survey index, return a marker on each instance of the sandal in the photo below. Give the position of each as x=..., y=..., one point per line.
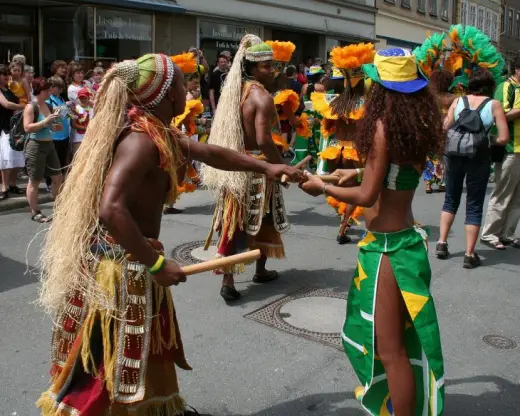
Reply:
x=429, y=189
x=16, y=190
x=40, y=218
x=4, y=195
x=515, y=243
x=497, y=245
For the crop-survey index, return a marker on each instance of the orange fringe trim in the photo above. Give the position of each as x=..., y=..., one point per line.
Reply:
x=304, y=131
x=280, y=141
x=341, y=208
x=328, y=128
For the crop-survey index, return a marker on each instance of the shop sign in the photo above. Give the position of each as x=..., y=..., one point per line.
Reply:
x=222, y=31
x=120, y=25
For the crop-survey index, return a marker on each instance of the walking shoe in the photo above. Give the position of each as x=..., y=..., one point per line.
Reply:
x=442, y=251
x=471, y=262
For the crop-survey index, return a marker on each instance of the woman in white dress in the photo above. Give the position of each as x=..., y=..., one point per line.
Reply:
x=10, y=160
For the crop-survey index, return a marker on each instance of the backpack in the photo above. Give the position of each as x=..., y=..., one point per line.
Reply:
x=17, y=135
x=468, y=134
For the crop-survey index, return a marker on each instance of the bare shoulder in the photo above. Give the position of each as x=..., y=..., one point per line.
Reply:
x=261, y=98
x=136, y=147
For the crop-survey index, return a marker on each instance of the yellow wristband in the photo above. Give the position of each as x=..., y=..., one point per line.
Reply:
x=158, y=265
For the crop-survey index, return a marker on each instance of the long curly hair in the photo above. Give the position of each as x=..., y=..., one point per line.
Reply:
x=412, y=125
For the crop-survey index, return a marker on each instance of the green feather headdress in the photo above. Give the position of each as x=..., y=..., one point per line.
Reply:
x=430, y=55
x=472, y=49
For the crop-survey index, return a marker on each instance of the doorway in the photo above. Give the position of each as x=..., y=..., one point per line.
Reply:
x=14, y=45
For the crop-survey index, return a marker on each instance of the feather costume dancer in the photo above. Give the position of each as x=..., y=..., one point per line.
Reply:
x=309, y=133
x=116, y=340
x=433, y=62
x=187, y=122
x=341, y=113
x=287, y=101
x=250, y=212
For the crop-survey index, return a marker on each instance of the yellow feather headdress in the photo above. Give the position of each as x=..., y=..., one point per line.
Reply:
x=186, y=62
x=352, y=56
x=282, y=51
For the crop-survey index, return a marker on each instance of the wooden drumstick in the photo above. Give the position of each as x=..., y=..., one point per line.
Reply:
x=299, y=165
x=329, y=178
x=222, y=262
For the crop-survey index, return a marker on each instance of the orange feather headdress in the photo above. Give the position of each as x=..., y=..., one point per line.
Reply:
x=186, y=62
x=352, y=56
x=282, y=51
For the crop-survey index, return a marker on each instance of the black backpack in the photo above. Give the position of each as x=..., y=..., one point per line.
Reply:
x=17, y=135
x=468, y=134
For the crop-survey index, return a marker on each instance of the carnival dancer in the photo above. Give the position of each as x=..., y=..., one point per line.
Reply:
x=116, y=340
x=391, y=335
x=250, y=212
x=287, y=102
x=341, y=113
x=433, y=61
x=187, y=175
x=306, y=144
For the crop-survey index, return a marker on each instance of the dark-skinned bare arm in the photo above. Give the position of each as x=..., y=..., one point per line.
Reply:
x=374, y=173
x=264, y=111
x=135, y=156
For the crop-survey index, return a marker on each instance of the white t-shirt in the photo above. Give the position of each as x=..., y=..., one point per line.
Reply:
x=73, y=90
x=81, y=117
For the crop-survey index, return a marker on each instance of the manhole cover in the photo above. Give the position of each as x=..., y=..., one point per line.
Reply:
x=315, y=314
x=497, y=341
x=193, y=253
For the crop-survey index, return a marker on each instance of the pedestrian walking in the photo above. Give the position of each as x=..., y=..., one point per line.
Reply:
x=504, y=205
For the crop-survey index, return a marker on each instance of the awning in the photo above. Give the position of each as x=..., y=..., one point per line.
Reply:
x=165, y=6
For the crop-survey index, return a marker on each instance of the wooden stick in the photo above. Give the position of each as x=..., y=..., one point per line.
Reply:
x=329, y=178
x=299, y=165
x=223, y=262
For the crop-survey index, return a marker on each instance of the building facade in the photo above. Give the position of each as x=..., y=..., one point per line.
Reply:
x=510, y=31
x=315, y=26
x=406, y=23
x=483, y=14
x=113, y=30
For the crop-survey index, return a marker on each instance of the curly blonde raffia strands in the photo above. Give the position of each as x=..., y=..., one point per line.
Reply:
x=227, y=130
x=66, y=253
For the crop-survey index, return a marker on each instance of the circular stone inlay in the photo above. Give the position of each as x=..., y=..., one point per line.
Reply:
x=315, y=314
x=204, y=255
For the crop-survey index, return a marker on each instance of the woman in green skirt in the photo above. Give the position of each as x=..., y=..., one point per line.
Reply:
x=391, y=335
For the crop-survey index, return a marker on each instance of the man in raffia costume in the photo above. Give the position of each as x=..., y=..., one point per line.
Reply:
x=116, y=340
x=340, y=114
x=250, y=212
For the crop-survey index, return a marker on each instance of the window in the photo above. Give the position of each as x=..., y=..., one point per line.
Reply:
x=480, y=18
x=405, y=4
x=518, y=25
x=433, y=7
x=494, y=27
x=445, y=6
x=122, y=35
x=464, y=12
x=510, y=22
x=390, y=1
x=472, y=20
x=487, y=23
x=421, y=6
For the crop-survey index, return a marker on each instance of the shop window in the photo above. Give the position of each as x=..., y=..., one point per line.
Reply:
x=464, y=12
x=421, y=6
x=405, y=4
x=518, y=25
x=445, y=6
x=122, y=35
x=433, y=7
x=68, y=34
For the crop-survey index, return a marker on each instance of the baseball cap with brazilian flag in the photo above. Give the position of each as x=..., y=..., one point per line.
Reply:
x=396, y=69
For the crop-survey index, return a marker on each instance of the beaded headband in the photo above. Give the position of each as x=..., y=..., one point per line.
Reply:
x=259, y=53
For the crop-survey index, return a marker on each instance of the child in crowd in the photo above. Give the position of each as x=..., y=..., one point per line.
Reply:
x=97, y=77
x=82, y=113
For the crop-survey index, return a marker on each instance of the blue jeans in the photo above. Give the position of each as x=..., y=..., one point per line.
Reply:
x=476, y=172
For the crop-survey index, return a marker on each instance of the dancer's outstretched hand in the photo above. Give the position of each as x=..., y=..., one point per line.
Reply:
x=275, y=172
x=171, y=274
x=312, y=185
x=347, y=177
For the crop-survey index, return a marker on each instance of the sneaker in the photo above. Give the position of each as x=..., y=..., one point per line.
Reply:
x=471, y=262
x=442, y=251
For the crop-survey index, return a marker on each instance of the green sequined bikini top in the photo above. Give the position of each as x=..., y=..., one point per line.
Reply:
x=402, y=177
